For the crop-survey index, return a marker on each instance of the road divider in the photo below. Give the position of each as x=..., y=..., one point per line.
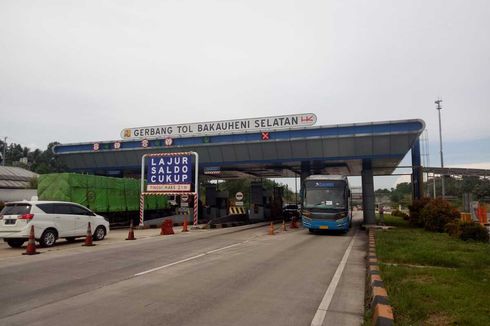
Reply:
x=382, y=312
x=167, y=227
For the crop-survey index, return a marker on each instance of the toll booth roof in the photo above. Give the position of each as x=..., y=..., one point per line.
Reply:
x=336, y=149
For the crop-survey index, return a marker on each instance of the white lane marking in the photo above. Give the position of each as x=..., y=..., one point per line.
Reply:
x=327, y=298
x=188, y=259
x=227, y=247
x=168, y=265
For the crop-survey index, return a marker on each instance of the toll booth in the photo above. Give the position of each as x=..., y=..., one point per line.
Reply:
x=260, y=202
x=277, y=203
x=216, y=203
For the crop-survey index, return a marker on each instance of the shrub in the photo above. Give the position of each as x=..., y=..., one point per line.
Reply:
x=474, y=231
x=453, y=228
x=399, y=213
x=437, y=213
x=414, y=209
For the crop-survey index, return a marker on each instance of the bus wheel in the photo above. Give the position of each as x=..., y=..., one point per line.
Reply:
x=311, y=230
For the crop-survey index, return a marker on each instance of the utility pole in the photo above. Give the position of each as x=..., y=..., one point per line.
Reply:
x=4, y=150
x=439, y=108
x=295, y=189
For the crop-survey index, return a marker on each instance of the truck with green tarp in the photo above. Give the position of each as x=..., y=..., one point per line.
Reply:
x=114, y=198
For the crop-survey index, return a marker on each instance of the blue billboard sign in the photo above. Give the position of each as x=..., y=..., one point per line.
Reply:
x=169, y=173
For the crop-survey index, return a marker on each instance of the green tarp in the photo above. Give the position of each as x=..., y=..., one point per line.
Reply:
x=100, y=194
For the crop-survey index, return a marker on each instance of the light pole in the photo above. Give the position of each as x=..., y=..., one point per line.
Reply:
x=4, y=150
x=439, y=108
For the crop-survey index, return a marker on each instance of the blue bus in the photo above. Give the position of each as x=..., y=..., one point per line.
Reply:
x=326, y=203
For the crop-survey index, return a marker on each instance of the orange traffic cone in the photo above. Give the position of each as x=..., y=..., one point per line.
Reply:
x=131, y=231
x=271, y=229
x=293, y=223
x=284, y=226
x=31, y=244
x=184, y=226
x=88, y=238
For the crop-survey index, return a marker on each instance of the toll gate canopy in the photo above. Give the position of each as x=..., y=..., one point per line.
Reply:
x=359, y=149
x=337, y=149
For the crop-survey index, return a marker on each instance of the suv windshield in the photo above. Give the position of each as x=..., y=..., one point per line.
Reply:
x=16, y=209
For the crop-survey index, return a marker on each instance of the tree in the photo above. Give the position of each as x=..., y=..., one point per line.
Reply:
x=482, y=189
x=38, y=161
x=46, y=161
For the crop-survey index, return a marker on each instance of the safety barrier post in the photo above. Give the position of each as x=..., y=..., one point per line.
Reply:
x=195, y=208
x=142, y=209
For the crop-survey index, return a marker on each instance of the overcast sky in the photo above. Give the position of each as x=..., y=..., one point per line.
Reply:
x=75, y=71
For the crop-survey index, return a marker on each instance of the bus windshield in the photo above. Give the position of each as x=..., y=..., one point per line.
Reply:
x=324, y=194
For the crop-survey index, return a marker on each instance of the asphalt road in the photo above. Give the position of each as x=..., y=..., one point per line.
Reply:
x=239, y=276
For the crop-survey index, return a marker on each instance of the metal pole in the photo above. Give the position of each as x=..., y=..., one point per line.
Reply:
x=4, y=151
x=439, y=108
x=142, y=197
x=296, y=189
x=434, y=184
x=143, y=173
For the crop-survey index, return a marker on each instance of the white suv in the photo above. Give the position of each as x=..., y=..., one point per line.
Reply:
x=51, y=220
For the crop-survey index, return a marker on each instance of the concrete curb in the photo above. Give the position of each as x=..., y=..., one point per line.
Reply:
x=225, y=225
x=377, y=296
x=232, y=224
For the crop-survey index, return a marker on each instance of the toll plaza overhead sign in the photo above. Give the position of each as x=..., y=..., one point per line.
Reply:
x=169, y=173
x=221, y=127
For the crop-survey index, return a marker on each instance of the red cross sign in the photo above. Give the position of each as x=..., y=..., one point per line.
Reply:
x=265, y=135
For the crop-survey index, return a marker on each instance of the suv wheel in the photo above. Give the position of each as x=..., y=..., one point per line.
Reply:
x=17, y=243
x=99, y=233
x=48, y=238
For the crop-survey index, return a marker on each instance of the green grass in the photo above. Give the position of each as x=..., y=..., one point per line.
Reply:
x=451, y=288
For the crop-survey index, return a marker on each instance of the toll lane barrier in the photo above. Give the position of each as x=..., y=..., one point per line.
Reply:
x=167, y=227
x=377, y=296
x=224, y=225
x=235, y=210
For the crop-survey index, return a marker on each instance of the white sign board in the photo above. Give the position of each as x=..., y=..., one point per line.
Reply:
x=221, y=127
x=239, y=196
x=169, y=173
